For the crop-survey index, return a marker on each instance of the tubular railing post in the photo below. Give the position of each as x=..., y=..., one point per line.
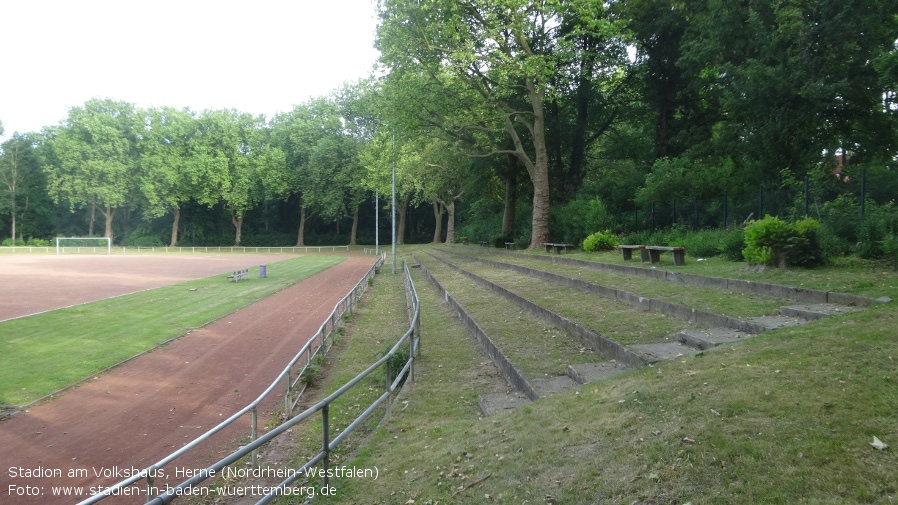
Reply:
x=325, y=441
x=387, y=416
x=288, y=403
x=150, y=489
x=255, y=434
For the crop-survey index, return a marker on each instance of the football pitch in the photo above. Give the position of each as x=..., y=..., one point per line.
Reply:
x=65, y=318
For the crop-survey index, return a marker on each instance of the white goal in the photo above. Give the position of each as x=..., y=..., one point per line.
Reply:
x=90, y=245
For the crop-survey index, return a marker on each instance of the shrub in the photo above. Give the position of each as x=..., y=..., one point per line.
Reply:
x=38, y=242
x=731, y=245
x=313, y=371
x=890, y=249
x=600, y=241
x=397, y=361
x=773, y=242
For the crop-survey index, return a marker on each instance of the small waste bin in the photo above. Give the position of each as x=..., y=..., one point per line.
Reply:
x=262, y=271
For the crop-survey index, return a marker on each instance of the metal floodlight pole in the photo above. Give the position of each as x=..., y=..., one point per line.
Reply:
x=394, y=202
x=376, y=223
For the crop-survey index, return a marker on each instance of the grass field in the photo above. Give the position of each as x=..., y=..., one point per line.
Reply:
x=49, y=351
x=785, y=417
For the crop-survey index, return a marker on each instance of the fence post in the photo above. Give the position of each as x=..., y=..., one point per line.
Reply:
x=387, y=416
x=254, y=435
x=760, y=201
x=725, y=217
x=150, y=480
x=863, y=191
x=288, y=403
x=807, y=196
x=325, y=440
x=694, y=215
x=653, y=218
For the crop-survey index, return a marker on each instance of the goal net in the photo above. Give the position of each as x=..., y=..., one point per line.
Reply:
x=89, y=245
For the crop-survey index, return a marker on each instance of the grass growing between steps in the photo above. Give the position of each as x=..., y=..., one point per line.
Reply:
x=48, y=351
x=377, y=324
x=736, y=305
x=622, y=323
x=785, y=417
x=421, y=438
x=846, y=275
x=538, y=349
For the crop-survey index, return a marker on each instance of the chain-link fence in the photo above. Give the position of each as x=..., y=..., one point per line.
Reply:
x=843, y=200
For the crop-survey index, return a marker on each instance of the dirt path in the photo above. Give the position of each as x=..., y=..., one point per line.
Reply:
x=138, y=413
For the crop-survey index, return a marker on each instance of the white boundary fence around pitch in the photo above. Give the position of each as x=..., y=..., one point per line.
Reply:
x=174, y=250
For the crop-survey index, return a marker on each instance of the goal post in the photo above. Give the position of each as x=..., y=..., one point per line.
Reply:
x=93, y=245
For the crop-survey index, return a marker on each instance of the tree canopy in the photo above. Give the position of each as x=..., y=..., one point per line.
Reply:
x=503, y=118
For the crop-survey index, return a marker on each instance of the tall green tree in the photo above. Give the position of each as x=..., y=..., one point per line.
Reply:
x=441, y=179
x=794, y=78
x=173, y=168
x=234, y=152
x=316, y=150
x=20, y=178
x=378, y=157
x=501, y=58
x=97, y=161
x=358, y=108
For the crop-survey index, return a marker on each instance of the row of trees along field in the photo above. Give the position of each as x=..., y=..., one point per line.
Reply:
x=520, y=119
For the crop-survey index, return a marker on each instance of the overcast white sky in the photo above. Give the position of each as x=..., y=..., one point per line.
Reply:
x=257, y=56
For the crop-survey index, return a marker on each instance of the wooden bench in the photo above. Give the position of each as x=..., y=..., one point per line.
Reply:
x=509, y=245
x=627, y=251
x=484, y=244
x=551, y=246
x=654, y=253
x=239, y=275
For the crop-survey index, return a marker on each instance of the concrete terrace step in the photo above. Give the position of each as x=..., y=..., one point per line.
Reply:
x=653, y=353
x=711, y=337
x=592, y=372
x=548, y=386
x=494, y=403
x=776, y=322
x=815, y=311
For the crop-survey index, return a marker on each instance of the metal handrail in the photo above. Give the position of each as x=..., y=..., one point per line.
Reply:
x=323, y=406
x=322, y=333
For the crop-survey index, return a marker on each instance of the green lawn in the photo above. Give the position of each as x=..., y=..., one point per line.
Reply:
x=785, y=417
x=45, y=352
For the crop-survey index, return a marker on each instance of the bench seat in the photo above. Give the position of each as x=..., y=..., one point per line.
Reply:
x=679, y=254
x=627, y=251
x=239, y=275
x=558, y=247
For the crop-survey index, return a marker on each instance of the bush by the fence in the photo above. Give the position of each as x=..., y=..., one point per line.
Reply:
x=600, y=241
x=771, y=241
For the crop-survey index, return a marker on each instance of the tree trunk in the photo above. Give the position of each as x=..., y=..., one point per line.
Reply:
x=13, y=228
x=438, y=216
x=539, y=173
x=176, y=215
x=300, y=235
x=511, y=199
x=450, y=225
x=238, y=227
x=109, y=214
x=355, y=225
x=93, y=215
x=400, y=228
